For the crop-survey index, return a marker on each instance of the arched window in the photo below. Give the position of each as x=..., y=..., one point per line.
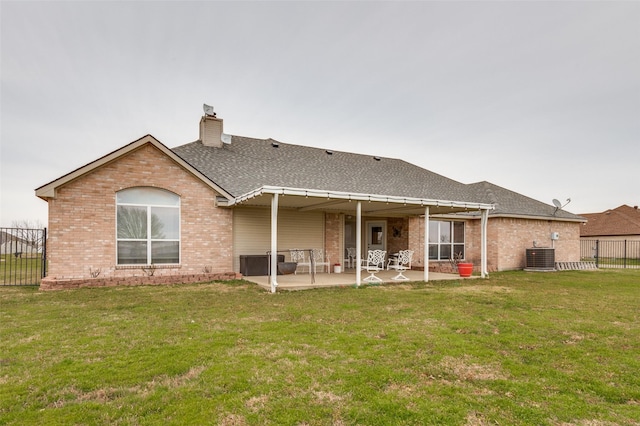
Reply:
x=148, y=226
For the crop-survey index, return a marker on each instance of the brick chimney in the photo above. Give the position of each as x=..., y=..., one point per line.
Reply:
x=211, y=131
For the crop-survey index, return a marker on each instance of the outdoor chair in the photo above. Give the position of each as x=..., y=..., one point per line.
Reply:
x=351, y=256
x=299, y=257
x=320, y=259
x=401, y=263
x=373, y=264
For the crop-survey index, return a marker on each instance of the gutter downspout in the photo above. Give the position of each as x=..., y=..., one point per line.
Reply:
x=274, y=243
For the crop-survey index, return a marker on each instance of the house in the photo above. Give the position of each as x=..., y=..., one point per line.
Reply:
x=19, y=242
x=615, y=224
x=146, y=213
x=612, y=234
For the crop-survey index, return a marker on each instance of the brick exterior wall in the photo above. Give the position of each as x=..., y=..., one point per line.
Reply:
x=415, y=237
x=514, y=236
x=398, y=235
x=82, y=220
x=333, y=230
x=507, y=241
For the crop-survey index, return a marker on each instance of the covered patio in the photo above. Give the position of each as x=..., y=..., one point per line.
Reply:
x=303, y=281
x=372, y=205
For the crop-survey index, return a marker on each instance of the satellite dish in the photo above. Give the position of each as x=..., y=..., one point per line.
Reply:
x=208, y=110
x=559, y=205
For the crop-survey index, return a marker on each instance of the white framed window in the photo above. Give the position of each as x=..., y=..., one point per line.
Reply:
x=446, y=240
x=147, y=226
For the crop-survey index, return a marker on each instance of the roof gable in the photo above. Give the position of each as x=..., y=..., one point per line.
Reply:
x=49, y=190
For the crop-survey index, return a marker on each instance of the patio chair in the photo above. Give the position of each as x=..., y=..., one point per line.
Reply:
x=373, y=264
x=297, y=256
x=320, y=259
x=401, y=263
x=351, y=256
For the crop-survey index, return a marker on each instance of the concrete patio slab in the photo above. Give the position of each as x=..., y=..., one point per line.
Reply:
x=302, y=281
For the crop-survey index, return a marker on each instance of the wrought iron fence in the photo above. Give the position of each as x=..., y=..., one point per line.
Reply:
x=611, y=253
x=23, y=254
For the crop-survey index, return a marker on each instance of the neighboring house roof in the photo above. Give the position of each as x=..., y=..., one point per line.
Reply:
x=623, y=220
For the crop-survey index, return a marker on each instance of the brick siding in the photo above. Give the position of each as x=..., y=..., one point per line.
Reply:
x=507, y=241
x=82, y=219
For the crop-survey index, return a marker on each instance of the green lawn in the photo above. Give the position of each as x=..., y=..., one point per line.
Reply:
x=516, y=349
x=23, y=270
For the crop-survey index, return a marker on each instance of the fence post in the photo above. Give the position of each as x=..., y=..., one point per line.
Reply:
x=597, y=252
x=625, y=254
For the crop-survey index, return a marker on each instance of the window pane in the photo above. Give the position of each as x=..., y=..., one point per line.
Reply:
x=445, y=252
x=376, y=235
x=433, y=251
x=150, y=196
x=165, y=223
x=433, y=231
x=132, y=222
x=132, y=252
x=445, y=232
x=458, y=232
x=459, y=250
x=165, y=252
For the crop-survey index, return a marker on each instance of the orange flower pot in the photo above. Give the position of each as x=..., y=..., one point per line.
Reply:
x=465, y=269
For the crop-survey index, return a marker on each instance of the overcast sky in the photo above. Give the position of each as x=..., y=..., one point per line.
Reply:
x=542, y=98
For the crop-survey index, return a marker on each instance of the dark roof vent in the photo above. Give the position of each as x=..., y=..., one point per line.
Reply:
x=329, y=152
x=275, y=144
x=376, y=158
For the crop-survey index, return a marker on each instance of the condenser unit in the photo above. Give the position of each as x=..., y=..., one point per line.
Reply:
x=541, y=258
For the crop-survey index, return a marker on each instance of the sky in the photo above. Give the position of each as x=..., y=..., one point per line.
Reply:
x=539, y=97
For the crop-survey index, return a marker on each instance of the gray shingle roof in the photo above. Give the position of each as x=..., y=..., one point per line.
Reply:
x=248, y=164
x=510, y=203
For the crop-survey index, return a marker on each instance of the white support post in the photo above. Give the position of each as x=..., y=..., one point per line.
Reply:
x=426, y=244
x=358, y=242
x=273, y=269
x=483, y=247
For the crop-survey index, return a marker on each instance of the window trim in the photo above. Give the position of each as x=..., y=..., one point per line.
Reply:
x=149, y=240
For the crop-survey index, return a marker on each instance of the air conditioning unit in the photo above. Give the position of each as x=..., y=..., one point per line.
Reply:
x=541, y=258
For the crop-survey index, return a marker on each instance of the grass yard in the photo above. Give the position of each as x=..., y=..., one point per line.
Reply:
x=516, y=349
x=23, y=270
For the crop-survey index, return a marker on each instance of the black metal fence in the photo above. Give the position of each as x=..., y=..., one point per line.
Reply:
x=23, y=254
x=611, y=253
